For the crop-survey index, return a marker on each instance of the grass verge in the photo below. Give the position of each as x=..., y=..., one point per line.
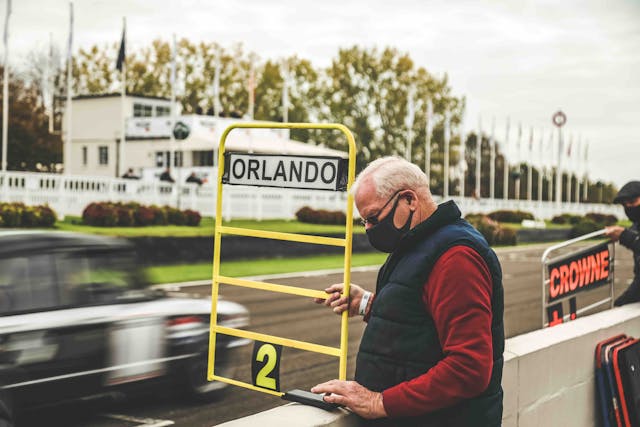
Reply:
x=257, y=267
x=205, y=228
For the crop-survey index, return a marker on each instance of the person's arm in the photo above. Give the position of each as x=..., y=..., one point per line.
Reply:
x=458, y=297
x=630, y=239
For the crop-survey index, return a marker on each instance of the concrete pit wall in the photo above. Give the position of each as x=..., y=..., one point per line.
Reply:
x=548, y=378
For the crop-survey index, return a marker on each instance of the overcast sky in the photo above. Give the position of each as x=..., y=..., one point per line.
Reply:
x=509, y=58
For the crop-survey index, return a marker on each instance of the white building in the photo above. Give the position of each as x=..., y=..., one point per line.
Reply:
x=97, y=127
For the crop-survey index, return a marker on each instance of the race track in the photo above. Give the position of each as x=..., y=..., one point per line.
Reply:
x=299, y=318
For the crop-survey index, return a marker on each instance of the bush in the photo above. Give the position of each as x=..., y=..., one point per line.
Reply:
x=47, y=217
x=192, y=218
x=603, y=219
x=175, y=216
x=584, y=227
x=20, y=215
x=321, y=216
x=510, y=216
x=11, y=214
x=159, y=216
x=492, y=231
x=566, y=219
x=144, y=216
x=106, y=214
x=29, y=217
x=100, y=215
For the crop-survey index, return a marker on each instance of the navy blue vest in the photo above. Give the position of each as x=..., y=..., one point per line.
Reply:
x=400, y=341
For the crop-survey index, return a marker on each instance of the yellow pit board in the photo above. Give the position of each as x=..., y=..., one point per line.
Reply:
x=312, y=173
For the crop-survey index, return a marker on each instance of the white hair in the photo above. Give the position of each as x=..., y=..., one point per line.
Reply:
x=391, y=174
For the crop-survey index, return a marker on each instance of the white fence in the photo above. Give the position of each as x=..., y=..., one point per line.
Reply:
x=69, y=195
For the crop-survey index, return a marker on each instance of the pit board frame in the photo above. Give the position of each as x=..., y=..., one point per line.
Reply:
x=346, y=242
x=547, y=260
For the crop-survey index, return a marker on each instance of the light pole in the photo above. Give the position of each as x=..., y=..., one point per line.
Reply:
x=559, y=119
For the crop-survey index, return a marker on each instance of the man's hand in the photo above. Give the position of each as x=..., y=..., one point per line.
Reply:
x=364, y=402
x=339, y=303
x=613, y=232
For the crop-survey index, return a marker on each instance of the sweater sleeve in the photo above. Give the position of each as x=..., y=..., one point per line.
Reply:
x=630, y=239
x=458, y=297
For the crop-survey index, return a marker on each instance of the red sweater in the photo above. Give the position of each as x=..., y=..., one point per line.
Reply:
x=458, y=297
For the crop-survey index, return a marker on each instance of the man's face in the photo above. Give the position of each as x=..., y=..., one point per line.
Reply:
x=631, y=203
x=374, y=209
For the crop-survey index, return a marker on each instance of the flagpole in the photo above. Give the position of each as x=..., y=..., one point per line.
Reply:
x=172, y=138
x=66, y=159
x=123, y=94
x=492, y=166
x=569, y=169
x=408, y=122
x=251, y=88
x=541, y=167
x=559, y=169
x=517, y=180
x=479, y=158
x=447, y=136
x=427, y=148
x=505, y=156
x=462, y=161
x=285, y=95
x=50, y=83
x=216, y=86
x=5, y=90
x=586, y=171
x=529, y=169
x=576, y=190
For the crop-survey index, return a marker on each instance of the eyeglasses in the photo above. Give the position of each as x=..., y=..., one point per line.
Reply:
x=373, y=219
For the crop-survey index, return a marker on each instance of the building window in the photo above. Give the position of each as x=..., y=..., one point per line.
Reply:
x=202, y=158
x=142, y=110
x=103, y=155
x=84, y=156
x=162, y=159
x=162, y=111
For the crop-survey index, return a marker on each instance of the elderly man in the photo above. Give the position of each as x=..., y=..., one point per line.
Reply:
x=629, y=197
x=431, y=354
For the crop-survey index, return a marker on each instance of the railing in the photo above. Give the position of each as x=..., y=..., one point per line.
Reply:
x=70, y=194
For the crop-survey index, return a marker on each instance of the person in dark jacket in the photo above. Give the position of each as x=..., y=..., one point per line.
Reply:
x=431, y=354
x=629, y=197
x=166, y=176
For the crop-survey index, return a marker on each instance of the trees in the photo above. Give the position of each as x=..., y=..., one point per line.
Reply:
x=30, y=146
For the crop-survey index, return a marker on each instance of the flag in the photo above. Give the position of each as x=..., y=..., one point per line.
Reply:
x=6, y=24
x=569, y=146
x=122, y=52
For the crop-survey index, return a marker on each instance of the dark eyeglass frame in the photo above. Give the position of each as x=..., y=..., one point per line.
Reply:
x=373, y=219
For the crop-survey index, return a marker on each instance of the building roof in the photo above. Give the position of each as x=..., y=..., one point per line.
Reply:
x=113, y=95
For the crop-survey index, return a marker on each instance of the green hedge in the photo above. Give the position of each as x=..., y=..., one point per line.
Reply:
x=320, y=216
x=106, y=214
x=510, y=216
x=493, y=232
x=19, y=215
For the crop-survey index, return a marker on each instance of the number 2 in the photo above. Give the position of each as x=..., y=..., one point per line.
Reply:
x=262, y=379
x=265, y=365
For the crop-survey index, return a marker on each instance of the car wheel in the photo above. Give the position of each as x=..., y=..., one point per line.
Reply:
x=198, y=387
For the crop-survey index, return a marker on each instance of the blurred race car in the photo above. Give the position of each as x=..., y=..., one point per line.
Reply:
x=77, y=319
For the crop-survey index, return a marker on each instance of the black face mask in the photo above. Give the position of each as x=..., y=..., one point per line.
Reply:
x=633, y=213
x=384, y=236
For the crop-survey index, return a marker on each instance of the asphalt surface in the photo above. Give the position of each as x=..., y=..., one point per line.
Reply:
x=299, y=318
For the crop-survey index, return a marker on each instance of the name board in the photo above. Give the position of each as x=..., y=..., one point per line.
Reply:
x=581, y=271
x=284, y=171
